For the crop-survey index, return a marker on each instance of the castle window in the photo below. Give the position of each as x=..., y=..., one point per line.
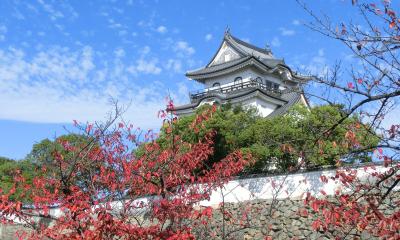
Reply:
x=216, y=84
x=269, y=84
x=276, y=86
x=237, y=80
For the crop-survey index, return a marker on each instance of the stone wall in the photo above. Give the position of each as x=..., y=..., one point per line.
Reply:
x=9, y=232
x=254, y=208
x=281, y=219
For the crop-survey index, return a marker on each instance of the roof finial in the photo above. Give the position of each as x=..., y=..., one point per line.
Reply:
x=267, y=47
x=227, y=30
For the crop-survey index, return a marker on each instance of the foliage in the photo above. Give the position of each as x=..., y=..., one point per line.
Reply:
x=281, y=140
x=227, y=122
x=41, y=156
x=106, y=201
x=298, y=135
x=183, y=166
x=366, y=200
x=42, y=153
x=9, y=168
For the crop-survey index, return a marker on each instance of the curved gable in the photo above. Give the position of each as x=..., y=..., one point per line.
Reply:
x=225, y=54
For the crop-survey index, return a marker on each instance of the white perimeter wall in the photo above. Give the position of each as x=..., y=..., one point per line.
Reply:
x=283, y=186
x=292, y=186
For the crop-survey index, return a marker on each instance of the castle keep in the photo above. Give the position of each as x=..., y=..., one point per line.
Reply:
x=242, y=74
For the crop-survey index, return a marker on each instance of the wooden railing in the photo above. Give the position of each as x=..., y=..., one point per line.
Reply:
x=234, y=88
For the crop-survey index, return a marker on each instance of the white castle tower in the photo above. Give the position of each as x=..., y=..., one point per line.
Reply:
x=242, y=74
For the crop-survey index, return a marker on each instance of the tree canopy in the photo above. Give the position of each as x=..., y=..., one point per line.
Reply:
x=42, y=156
x=278, y=142
x=9, y=168
x=42, y=153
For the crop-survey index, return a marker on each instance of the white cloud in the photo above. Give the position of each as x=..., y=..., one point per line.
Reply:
x=208, y=37
x=144, y=64
x=53, y=13
x=317, y=65
x=18, y=15
x=122, y=33
x=275, y=42
x=145, y=50
x=321, y=52
x=3, y=31
x=183, y=47
x=148, y=66
x=287, y=32
x=296, y=22
x=58, y=85
x=174, y=65
x=162, y=29
x=119, y=52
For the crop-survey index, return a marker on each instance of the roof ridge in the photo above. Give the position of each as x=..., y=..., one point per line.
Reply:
x=229, y=63
x=229, y=36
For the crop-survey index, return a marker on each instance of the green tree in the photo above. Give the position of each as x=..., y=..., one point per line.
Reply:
x=278, y=143
x=42, y=156
x=42, y=153
x=302, y=133
x=8, y=169
x=228, y=122
x=66, y=148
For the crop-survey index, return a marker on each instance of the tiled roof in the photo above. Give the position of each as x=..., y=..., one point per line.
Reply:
x=292, y=98
x=247, y=48
x=269, y=63
x=288, y=99
x=218, y=67
x=246, y=52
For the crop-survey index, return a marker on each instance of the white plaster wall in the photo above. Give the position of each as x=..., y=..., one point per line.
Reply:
x=293, y=186
x=246, y=75
x=264, y=108
x=220, y=58
x=290, y=186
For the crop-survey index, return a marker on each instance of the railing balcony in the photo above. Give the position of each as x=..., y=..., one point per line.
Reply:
x=194, y=96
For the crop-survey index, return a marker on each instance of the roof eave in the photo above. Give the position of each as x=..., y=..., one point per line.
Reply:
x=250, y=93
x=246, y=62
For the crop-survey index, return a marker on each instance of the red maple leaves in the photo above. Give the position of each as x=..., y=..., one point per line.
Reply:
x=105, y=190
x=361, y=204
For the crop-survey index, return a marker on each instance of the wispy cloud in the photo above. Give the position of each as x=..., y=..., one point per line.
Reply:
x=174, y=65
x=58, y=85
x=147, y=66
x=54, y=14
x=296, y=22
x=286, y=32
x=318, y=65
x=208, y=37
x=3, y=31
x=183, y=48
x=162, y=29
x=275, y=42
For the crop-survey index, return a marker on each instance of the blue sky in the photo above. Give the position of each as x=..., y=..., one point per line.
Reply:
x=61, y=62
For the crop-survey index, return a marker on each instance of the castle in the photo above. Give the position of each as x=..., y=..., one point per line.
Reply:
x=242, y=74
